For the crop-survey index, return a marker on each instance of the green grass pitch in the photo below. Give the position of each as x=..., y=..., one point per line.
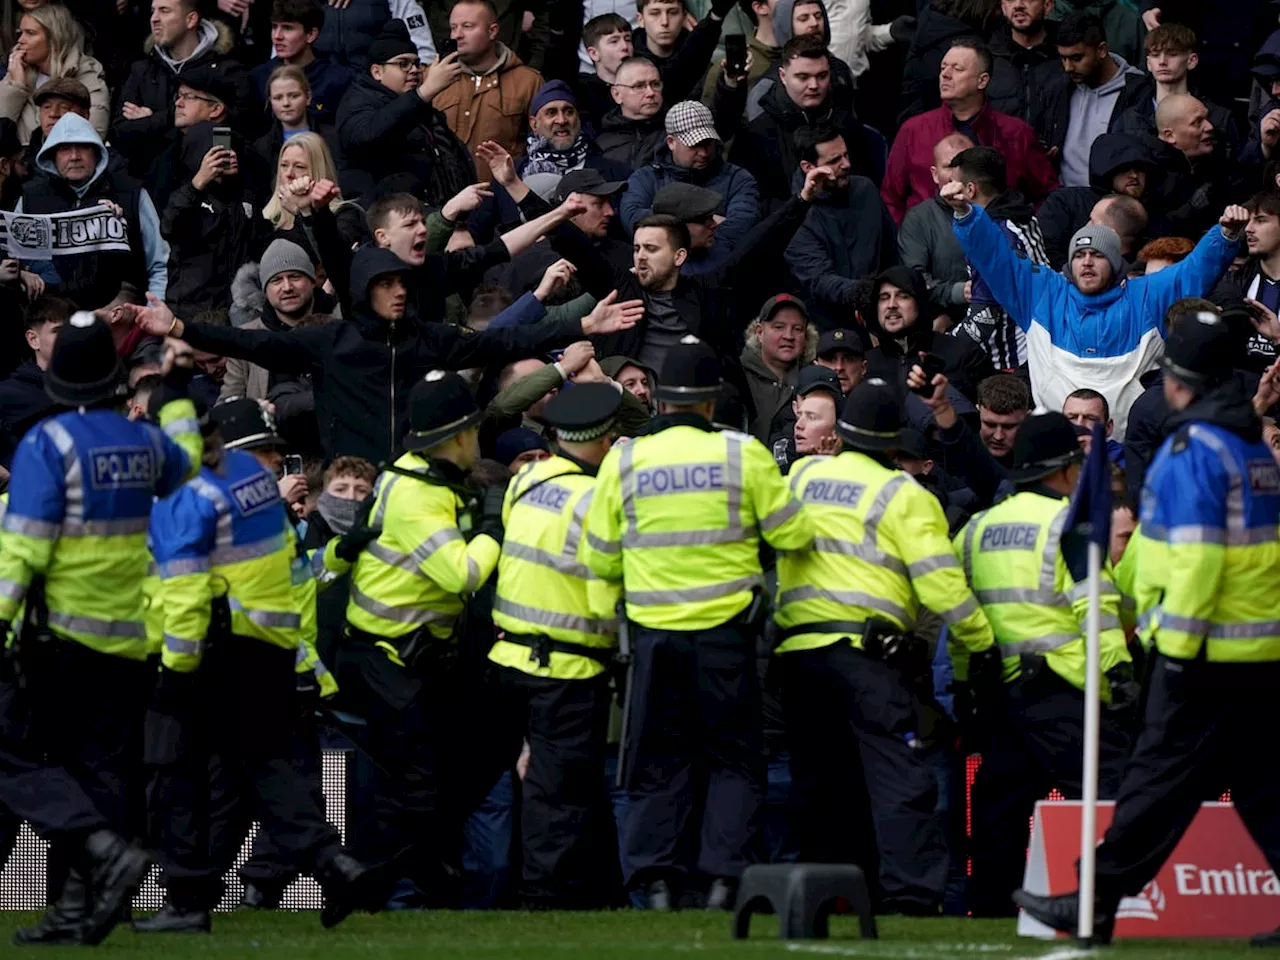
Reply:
x=625, y=934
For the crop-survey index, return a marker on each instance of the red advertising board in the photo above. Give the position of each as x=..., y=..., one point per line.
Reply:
x=1215, y=884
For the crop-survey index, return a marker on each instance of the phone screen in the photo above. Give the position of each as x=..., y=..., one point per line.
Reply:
x=222, y=137
x=292, y=464
x=448, y=46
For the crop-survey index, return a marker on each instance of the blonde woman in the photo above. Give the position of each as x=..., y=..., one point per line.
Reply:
x=305, y=155
x=50, y=45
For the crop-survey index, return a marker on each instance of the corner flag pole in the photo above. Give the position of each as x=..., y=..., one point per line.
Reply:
x=1091, y=516
x=1092, y=697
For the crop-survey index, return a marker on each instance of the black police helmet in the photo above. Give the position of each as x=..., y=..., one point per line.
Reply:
x=84, y=368
x=1046, y=443
x=872, y=417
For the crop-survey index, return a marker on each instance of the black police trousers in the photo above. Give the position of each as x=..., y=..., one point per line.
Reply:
x=270, y=865
x=71, y=743
x=1206, y=729
x=866, y=793
x=564, y=817
x=696, y=764
x=227, y=763
x=1036, y=743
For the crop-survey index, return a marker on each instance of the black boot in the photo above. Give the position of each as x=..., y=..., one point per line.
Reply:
x=1270, y=939
x=116, y=869
x=1063, y=913
x=63, y=922
x=347, y=885
x=722, y=894
x=262, y=895
x=658, y=895
x=173, y=919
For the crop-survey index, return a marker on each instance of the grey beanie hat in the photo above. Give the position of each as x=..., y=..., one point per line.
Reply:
x=1103, y=240
x=284, y=255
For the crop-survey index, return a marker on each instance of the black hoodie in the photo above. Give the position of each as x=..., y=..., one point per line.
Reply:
x=1067, y=209
x=23, y=402
x=364, y=367
x=966, y=364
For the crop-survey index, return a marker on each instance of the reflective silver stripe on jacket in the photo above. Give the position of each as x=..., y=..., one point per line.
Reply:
x=129, y=629
x=72, y=472
x=551, y=618
x=848, y=598
x=862, y=551
x=130, y=526
x=190, y=648
x=248, y=551
x=12, y=589
x=414, y=615
x=267, y=618
x=1194, y=626
x=545, y=558
x=1255, y=630
x=1237, y=534
x=603, y=546
x=176, y=428
x=1043, y=644
x=182, y=567
x=655, y=598
x=927, y=565
x=31, y=527
x=412, y=562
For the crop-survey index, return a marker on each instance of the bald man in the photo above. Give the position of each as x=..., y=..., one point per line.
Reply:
x=1182, y=121
x=926, y=241
x=1126, y=216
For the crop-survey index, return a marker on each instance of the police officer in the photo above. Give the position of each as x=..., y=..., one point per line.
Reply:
x=554, y=654
x=1037, y=603
x=1208, y=563
x=225, y=551
x=678, y=516
x=407, y=591
x=844, y=609
x=74, y=550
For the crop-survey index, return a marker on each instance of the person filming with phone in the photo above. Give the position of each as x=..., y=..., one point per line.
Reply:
x=208, y=221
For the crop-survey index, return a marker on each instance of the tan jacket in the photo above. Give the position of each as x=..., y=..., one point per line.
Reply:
x=493, y=106
x=16, y=104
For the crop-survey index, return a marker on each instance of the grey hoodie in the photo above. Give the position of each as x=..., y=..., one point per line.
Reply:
x=782, y=26
x=1090, y=117
x=206, y=37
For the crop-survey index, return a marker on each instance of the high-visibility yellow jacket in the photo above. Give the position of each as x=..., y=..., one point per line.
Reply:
x=881, y=552
x=81, y=491
x=305, y=588
x=1013, y=558
x=417, y=571
x=677, y=517
x=225, y=533
x=544, y=588
x=1210, y=548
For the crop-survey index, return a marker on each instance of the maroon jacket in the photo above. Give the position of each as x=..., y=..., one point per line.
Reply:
x=907, y=180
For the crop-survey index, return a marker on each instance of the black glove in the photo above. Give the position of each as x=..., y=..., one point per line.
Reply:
x=721, y=8
x=986, y=671
x=1125, y=689
x=360, y=535
x=903, y=29
x=491, y=512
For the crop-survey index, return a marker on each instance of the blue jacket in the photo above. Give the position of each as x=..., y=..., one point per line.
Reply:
x=1106, y=341
x=79, y=503
x=735, y=185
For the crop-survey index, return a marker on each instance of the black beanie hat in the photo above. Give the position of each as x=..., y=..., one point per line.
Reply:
x=392, y=42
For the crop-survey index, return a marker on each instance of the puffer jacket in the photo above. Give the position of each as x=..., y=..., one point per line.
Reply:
x=17, y=105
x=631, y=142
x=493, y=106
x=382, y=133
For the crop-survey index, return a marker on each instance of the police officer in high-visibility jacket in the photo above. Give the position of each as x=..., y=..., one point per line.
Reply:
x=1035, y=596
x=74, y=547
x=554, y=653
x=407, y=595
x=843, y=611
x=678, y=516
x=1211, y=558
x=224, y=549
